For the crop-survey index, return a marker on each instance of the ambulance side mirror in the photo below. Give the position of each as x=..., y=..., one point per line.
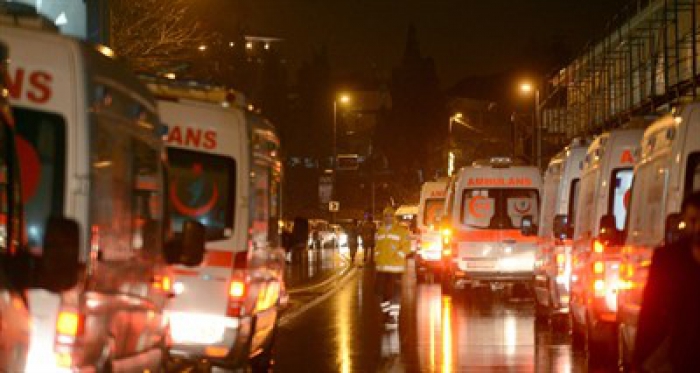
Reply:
x=608, y=230
x=188, y=248
x=527, y=226
x=59, y=265
x=675, y=228
x=561, y=227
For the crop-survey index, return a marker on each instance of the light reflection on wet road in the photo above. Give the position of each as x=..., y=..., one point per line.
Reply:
x=475, y=331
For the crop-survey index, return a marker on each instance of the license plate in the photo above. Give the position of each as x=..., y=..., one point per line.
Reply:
x=192, y=329
x=481, y=264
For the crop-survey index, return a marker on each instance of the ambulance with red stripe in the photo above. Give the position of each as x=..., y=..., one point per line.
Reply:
x=91, y=151
x=225, y=172
x=430, y=209
x=487, y=202
x=12, y=286
x=668, y=171
x=606, y=178
x=562, y=182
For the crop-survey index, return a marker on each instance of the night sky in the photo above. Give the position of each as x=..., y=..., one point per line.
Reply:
x=465, y=37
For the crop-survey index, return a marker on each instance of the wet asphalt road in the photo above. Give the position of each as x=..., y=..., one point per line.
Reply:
x=470, y=331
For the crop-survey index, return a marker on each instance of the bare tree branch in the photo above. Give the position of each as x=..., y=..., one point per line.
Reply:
x=154, y=35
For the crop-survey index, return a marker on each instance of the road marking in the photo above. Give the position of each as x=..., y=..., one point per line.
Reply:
x=323, y=283
x=289, y=317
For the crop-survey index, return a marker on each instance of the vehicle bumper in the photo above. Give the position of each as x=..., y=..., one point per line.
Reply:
x=231, y=350
x=494, y=276
x=429, y=263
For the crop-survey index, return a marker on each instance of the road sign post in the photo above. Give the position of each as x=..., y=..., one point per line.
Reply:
x=333, y=206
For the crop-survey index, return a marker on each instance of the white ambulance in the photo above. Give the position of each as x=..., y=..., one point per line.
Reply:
x=555, y=228
x=12, y=303
x=486, y=206
x=606, y=179
x=90, y=150
x=225, y=172
x=669, y=170
x=430, y=209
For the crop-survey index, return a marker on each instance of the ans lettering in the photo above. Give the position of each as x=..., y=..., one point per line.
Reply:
x=32, y=86
x=500, y=181
x=192, y=137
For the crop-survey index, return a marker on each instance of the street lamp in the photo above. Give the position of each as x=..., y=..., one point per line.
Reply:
x=456, y=118
x=344, y=100
x=527, y=88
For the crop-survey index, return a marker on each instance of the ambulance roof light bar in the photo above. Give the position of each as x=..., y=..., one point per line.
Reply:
x=170, y=88
x=23, y=15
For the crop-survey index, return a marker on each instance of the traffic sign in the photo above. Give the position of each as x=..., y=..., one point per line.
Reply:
x=348, y=162
x=333, y=206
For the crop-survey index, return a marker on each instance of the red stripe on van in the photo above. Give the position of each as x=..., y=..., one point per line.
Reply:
x=493, y=235
x=185, y=272
x=218, y=258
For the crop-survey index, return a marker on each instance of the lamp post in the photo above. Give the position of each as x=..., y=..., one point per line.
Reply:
x=527, y=89
x=342, y=99
x=457, y=117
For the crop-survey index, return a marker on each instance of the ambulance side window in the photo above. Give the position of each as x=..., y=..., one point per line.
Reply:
x=692, y=175
x=573, y=200
x=5, y=158
x=620, y=184
x=126, y=190
x=41, y=148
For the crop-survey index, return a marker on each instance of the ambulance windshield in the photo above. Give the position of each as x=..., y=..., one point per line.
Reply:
x=41, y=149
x=433, y=209
x=621, y=182
x=202, y=187
x=498, y=208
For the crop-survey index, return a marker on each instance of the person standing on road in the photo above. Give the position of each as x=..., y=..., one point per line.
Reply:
x=299, y=239
x=368, y=232
x=353, y=240
x=668, y=334
x=393, y=246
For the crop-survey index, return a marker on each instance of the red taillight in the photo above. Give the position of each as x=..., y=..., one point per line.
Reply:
x=598, y=267
x=598, y=247
x=163, y=283
x=561, y=259
x=236, y=289
x=67, y=323
x=599, y=286
x=236, y=297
